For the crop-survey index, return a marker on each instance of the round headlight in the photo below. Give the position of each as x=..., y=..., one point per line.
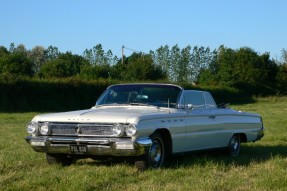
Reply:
x=32, y=127
x=118, y=130
x=44, y=128
x=131, y=130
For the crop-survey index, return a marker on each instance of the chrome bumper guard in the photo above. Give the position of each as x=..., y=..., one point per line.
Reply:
x=95, y=146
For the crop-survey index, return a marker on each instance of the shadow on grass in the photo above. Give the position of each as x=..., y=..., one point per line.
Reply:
x=249, y=155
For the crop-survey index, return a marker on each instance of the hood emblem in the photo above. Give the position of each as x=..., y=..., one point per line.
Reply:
x=78, y=130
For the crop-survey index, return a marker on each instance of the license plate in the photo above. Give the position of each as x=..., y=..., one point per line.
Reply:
x=78, y=149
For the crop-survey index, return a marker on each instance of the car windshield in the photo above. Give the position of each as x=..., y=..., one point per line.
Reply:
x=141, y=94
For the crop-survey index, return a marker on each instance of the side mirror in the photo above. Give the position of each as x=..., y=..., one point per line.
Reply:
x=189, y=107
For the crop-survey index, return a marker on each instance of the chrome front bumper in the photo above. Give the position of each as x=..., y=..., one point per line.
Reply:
x=95, y=146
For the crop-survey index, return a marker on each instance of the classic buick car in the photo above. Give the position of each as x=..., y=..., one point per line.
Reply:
x=144, y=122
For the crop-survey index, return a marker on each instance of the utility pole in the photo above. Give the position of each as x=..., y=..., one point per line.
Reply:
x=123, y=54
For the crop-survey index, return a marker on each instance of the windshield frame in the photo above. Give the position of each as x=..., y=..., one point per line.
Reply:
x=169, y=99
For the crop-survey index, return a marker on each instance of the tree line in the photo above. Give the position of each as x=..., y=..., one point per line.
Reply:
x=242, y=68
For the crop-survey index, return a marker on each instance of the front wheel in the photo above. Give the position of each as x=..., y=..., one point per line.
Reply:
x=234, y=145
x=157, y=151
x=156, y=154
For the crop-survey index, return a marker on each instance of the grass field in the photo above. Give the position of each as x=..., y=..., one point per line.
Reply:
x=260, y=166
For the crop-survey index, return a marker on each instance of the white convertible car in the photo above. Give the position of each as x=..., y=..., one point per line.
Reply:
x=144, y=122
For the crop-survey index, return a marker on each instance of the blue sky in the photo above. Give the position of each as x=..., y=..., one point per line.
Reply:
x=74, y=25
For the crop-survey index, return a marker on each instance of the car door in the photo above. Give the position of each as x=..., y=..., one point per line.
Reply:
x=201, y=132
x=221, y=127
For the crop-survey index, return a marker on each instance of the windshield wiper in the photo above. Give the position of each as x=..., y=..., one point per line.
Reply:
x=111, y=104
x=125, y=104
x=143, y=104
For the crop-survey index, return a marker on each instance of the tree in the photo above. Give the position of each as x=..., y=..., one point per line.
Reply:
x=141, y=67
x=161, y=58
x=284, y=56
x=200, y=59
x=138, y=66
x=100, y=63
x=95, y=71
x=74, y=63
x=242, y=68
x=208, y=72
x=224, y=66
x=250, y=67
x=38, y=56
x=184, y=69
x=21, y=49
x=15, y=61
x=55, y=68
x=97, y=56
x=12, y=47
x=183, y=65
x=3, y=51
x=52, y=52
x=16, y=64
x=175, y=58
x=65, y=65
x=282, y=73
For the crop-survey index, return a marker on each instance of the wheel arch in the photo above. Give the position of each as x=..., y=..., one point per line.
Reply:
x=166, y=138
x=243, y=137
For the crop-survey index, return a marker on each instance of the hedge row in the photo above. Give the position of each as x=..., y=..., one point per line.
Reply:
x=22, y=95
x=49, y=95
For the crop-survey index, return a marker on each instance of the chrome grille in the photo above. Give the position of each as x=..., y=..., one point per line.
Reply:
x=75, y=129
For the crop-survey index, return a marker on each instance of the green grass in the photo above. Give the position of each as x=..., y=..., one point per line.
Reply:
x=260, y=166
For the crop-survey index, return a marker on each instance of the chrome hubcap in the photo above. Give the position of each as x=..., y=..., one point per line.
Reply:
x=155, y=154
x=234, y=145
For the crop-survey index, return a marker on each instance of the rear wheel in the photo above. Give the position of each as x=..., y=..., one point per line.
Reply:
x=234, y=145
x=59, y=159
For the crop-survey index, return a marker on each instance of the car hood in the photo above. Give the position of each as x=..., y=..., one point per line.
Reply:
x=104, y=114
